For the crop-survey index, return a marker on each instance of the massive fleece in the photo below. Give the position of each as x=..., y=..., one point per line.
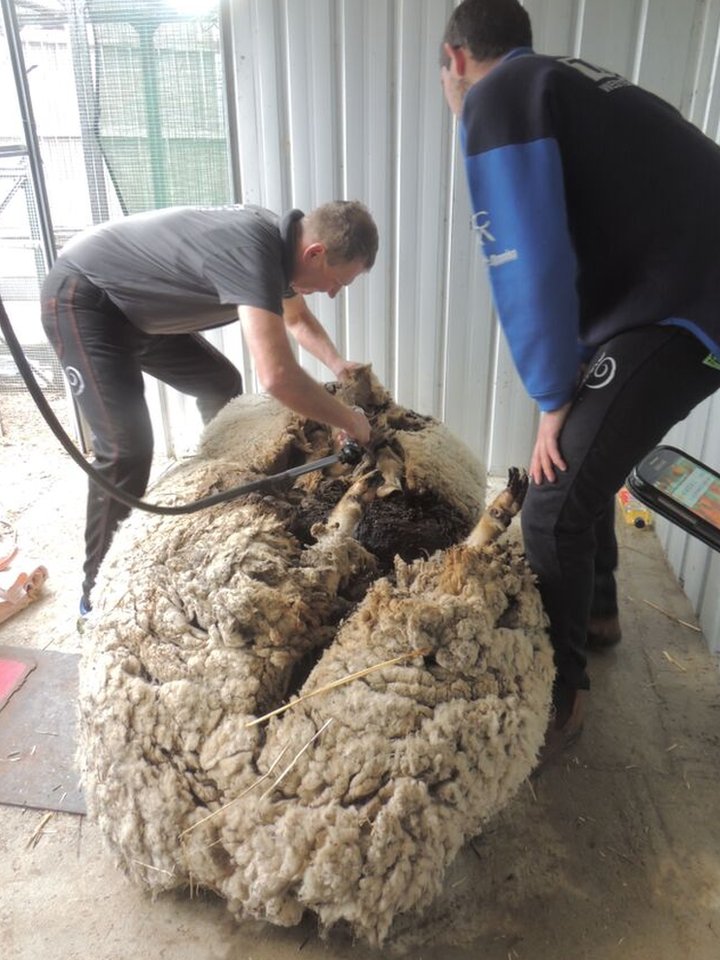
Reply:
x=353, y=801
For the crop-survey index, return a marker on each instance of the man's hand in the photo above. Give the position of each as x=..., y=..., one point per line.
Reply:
x=546, y=455
x=360, y=430
x=454, y=88
x=342, y=369
x=453, y=76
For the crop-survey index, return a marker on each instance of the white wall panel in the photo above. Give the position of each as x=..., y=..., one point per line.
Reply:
x=704, y=108
x=341, y=99
x=264, y=156
x=368, y=145
x=471, y=334
x=264, y=147
x=425, y=123
x=668, y=58
x=555, y=25
x=314, y=125
x=607, y=33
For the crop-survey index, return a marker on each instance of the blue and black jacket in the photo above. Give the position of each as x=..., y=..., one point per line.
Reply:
x=598, y=209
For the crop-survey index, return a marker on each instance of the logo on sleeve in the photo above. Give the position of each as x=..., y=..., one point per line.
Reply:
x=481, y=225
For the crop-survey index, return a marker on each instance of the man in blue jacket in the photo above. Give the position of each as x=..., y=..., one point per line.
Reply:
x=598, y=209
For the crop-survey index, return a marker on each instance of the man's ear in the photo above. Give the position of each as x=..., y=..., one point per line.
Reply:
x=458, y=59
x=313, y=251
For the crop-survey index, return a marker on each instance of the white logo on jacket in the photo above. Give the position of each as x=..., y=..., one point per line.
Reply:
x=75, y=381
x=482, y=228
x=498, y=259
x=604, y=79
x=601, y=373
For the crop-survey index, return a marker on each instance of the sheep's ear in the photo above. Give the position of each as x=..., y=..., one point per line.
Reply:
x=362, y=388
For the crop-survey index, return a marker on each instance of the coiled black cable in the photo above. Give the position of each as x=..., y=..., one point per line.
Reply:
x=350, y=453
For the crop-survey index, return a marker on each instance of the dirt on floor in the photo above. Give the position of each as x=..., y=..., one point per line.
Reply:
x=614, y=851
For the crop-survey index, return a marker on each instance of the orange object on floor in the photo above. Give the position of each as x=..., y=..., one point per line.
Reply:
x=20, y=587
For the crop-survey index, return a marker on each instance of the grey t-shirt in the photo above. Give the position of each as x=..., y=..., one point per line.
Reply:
x=184, y=269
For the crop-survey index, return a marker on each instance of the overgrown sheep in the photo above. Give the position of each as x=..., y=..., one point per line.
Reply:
x=404, y=657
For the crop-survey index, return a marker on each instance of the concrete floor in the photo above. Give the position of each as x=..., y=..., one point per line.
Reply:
x=612, y=852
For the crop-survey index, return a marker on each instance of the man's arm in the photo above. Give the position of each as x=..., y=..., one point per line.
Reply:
x=285, y=380
x=311, y=335
x=516, y=178
x=518, y=193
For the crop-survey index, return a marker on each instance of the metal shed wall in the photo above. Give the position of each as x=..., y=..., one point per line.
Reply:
x=341, y=98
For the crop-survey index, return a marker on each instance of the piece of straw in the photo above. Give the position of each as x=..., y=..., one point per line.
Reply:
x=674, y=662
x=670, y=616
x=339, y=683
x=149, y=866
x=239, y=796
x=297, y=756
x=39, y=829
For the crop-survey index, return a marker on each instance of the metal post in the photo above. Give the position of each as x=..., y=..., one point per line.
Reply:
x=87, y=109
x=156, y=144
x=31, y=138
x=229, y=100
x=42, y=220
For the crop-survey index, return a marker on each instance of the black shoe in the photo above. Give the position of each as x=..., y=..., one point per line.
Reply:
x=603, y=632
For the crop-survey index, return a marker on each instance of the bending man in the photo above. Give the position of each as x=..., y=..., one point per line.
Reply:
x=129, y=297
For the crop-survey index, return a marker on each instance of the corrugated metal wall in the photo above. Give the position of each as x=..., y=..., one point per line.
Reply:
x=341, y=98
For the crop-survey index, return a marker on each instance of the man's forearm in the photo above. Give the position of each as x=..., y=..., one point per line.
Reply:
x=311, y=336
x=299, y=391
x=283, y=378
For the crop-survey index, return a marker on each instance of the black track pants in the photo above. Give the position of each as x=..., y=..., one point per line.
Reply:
x=104, y=356
x=638, y=386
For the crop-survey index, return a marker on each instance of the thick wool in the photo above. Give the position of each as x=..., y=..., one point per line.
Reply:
x=352, y=802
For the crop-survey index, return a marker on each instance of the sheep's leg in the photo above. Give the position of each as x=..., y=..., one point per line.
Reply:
x=391, y=467
x=347, y=512
x=497, y=516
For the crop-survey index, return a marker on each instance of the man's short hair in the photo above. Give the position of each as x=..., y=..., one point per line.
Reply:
x=347, y=231
x=488, y=28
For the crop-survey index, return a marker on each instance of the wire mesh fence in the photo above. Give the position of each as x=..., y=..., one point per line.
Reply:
x=128, y=103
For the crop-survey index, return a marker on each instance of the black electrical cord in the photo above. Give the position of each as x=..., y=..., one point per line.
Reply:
x=351, y=453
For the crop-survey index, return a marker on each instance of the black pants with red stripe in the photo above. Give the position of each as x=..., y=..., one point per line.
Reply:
x=104, y=357
x=639, y=385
